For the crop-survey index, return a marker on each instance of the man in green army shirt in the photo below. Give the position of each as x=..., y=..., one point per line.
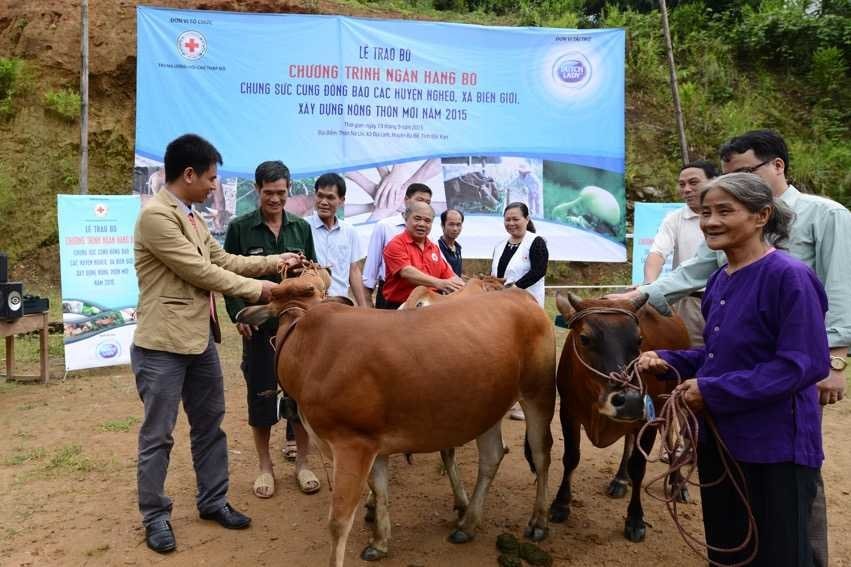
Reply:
x=269, y=230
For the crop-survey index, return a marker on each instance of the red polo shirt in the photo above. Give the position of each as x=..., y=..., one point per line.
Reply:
x=402, y=251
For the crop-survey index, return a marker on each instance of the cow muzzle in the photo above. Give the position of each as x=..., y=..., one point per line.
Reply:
x=624, y=405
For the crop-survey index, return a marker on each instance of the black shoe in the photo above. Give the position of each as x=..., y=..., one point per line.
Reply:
x=160, y=537
x=228, y=517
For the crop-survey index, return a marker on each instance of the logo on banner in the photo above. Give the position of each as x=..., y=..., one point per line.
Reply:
x=572, y=70
x=101, y=210
x=108, y=349
x=192, y=45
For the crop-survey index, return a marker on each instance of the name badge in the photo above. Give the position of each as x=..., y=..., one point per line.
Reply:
x=255, y=251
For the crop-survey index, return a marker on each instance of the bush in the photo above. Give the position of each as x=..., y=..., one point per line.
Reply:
x=65, y=103
x=11, y=73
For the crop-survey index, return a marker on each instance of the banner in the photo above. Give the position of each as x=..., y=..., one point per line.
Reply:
x=485, y=116
x=648, y=218
x=99, y=288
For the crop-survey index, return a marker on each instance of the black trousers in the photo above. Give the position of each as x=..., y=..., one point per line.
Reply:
x=781, y=496
x=380, y=302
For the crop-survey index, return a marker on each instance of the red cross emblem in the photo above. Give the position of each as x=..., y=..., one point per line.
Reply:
x=192, y=45
x=101, y=210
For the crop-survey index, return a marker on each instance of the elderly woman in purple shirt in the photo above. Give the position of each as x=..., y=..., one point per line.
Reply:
x=766, y=348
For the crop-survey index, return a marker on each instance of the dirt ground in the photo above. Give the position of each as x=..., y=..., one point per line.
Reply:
x=68, y=482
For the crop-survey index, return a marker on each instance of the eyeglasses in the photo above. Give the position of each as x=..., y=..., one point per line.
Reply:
x=752, y=168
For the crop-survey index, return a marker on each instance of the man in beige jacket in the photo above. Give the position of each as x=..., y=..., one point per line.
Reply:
x=179, y=266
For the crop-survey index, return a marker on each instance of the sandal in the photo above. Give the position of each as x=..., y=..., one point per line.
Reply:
x=307, y=481
x=290, y=451
x=264, y=486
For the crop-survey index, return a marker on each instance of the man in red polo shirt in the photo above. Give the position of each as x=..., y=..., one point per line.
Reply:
x=411, y=259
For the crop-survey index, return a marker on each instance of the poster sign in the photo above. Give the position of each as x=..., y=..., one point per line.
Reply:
x=648, y=218
x=485, y=116
x=99, y=287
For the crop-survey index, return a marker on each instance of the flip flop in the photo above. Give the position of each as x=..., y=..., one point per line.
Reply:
x=290, y=451
x=307, y=481
x=264, y=481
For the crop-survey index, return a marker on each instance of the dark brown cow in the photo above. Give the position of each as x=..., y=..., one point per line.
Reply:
x=373, y=383
x=605, y=336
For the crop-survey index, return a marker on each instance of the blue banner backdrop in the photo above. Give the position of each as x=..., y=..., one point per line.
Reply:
x=483, y=115
x=648, y=218
x=99, y=288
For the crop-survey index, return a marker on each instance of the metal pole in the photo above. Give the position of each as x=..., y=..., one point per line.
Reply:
x=84, y=100
x=675, y=91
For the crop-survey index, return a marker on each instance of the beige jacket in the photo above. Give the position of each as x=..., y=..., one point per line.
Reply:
x=177, y=266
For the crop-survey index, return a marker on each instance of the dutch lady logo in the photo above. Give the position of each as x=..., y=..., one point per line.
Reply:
x=572, y=70
x=192, y=45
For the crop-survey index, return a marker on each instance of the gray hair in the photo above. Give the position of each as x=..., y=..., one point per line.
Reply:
x=410, y=207
x=752, y=192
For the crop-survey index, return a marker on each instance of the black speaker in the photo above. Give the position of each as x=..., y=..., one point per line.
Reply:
x=11, y=300
x=4, y=267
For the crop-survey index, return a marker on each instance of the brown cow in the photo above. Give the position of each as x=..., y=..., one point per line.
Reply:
x=606, y=335
x=362, y=401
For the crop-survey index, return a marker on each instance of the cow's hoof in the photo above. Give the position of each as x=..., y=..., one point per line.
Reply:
x=535, y=533
x=372, y=554
x=369, y=516
x=460, y=536
x=559, y=514
x=617, y=488
x=682, y=496
x=635, y=530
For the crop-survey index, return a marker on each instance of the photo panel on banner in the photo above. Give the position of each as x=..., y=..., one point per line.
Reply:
x=485, y=116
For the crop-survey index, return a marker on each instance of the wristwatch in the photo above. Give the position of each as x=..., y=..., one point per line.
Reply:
x=838, y=363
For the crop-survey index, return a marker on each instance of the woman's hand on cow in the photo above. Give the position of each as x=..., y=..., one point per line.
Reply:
x=690, y=391
x=245, y=329
x=649, y=361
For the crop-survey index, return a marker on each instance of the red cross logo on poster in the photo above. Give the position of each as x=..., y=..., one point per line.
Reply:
x=101, y=210
x=192, y=45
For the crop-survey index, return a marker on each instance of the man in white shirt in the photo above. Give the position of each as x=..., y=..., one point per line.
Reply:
x=680, y=235
x=336, y=241
x=384, y=231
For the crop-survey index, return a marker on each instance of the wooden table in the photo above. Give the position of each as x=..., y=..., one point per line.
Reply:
x=26, y=324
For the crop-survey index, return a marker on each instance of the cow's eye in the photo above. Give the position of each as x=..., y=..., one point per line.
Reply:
x=585, y=340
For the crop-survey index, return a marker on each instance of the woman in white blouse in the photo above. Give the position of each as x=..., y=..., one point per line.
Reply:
x=521, y=259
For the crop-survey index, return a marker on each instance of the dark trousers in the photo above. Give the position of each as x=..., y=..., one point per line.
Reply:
x=163, y=380
x=818, y=520
x=781, y=496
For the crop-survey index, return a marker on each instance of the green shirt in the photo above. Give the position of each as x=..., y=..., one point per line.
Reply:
x=820, y=237
x=248, y=235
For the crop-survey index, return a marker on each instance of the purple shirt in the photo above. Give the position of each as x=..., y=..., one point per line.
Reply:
x=766, y=347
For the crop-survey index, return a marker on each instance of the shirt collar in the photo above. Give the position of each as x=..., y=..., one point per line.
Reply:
x=790, y=196
x=410, y=240
x=317, y=223
x=258, y=220
x=180, y=204
x=689, y=214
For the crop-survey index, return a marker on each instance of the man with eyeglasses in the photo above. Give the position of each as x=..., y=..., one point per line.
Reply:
x=819, y=237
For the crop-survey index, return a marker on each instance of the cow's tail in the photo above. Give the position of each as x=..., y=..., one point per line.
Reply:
x=527, y=452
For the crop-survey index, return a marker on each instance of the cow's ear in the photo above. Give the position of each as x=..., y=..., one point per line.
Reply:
x=564, y=306
x=255, y=315
x=575, y=301
x=339, y=299
x=639, y=302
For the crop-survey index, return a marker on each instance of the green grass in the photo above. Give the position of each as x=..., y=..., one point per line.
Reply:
x=22, y=456
x=69, y=459
x=119, y=425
